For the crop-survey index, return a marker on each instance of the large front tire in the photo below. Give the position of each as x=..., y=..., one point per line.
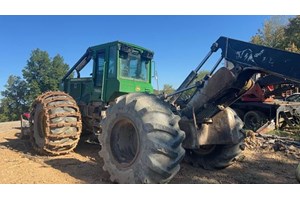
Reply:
x=55, y=123
x=141, y=140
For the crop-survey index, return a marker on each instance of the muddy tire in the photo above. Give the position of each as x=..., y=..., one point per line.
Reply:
x=254, y=120
x=55, y=123
x=141, y=140
x=214, y=156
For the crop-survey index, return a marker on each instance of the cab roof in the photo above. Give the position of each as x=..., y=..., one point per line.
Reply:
x=101, y=46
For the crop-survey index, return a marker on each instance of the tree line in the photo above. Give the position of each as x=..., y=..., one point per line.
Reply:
x=275, y=33
x=43, y=73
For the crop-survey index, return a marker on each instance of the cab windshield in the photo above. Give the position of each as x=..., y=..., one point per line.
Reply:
x=133, y=66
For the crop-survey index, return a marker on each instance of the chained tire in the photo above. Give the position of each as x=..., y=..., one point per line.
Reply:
x=214, y=156
x=141, y=140
x=55, y=123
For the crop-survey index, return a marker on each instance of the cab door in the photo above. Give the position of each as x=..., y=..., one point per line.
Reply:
x=98, y=74
x=111, y=84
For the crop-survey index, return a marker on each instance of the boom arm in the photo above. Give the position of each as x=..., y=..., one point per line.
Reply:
x=264, y=59
x=225, y=86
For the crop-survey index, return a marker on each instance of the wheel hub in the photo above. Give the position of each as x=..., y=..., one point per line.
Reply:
x=124, y=142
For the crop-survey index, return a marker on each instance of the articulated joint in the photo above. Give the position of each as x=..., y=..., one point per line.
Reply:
x=224, y=128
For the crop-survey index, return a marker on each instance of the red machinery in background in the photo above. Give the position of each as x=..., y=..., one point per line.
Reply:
x=265, y=102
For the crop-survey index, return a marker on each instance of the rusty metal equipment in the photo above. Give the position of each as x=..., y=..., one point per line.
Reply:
x=265, y=102
x=55, y=123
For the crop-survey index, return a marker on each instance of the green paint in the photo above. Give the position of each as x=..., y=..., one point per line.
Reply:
x=118, y=68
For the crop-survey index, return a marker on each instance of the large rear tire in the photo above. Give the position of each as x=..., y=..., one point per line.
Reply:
x=214, y=156
x=55, y=123
x=141, y=140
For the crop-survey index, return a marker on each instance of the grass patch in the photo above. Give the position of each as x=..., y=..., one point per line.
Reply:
x=295, y=134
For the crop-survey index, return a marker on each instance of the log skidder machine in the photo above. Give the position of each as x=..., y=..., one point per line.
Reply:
x=144, y=137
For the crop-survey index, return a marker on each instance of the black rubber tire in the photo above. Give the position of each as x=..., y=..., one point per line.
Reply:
x=87, y=124
x=219, y=157
x=298, y=173
x=254, y=120
x=141, y=140
x=55, y=123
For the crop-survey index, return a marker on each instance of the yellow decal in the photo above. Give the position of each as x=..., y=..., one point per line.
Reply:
x=137, y=88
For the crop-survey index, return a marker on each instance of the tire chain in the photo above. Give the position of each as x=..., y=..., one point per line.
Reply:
x=51, y=148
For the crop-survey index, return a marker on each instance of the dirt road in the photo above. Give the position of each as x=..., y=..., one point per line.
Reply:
x=20, y=164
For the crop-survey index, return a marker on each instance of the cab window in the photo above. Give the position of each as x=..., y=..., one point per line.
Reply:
x=99, y=69
x=133, y=66
x=112, y=71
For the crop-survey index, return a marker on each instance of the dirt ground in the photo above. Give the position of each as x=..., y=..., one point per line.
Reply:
x=20, y=164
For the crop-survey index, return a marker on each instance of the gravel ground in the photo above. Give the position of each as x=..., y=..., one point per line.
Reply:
x=20, y=164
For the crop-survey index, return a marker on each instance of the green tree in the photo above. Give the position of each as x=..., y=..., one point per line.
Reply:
x=201, y=75
x=187, y=94
x=13, y=103
x=43, y=73
x=168, y=89
x=272, y=34
x=292, y=34
x=278, y=34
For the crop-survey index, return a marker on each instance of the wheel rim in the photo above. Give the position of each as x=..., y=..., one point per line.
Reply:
x=124, y=142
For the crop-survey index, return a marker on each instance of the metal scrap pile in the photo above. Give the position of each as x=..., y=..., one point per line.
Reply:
x=288, y=146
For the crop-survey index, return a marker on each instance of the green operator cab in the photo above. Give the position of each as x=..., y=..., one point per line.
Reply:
x=118, y=68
